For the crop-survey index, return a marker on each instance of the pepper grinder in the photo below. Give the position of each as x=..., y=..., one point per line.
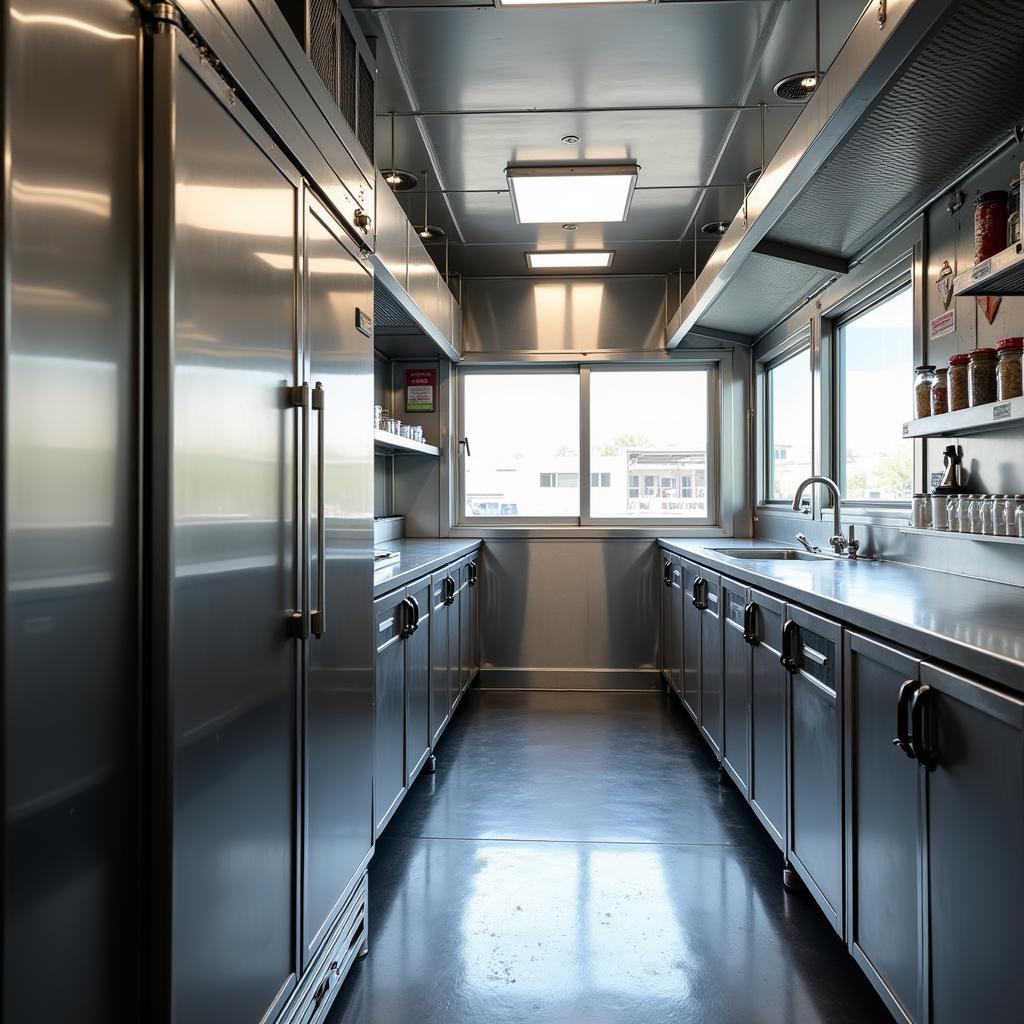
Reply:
x=951, y=483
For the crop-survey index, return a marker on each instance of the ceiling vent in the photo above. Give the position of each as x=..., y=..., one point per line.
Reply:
x=797, y=88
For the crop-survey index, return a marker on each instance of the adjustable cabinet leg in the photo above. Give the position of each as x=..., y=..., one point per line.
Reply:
x=431, y=766
x=790, y=879
x=723, y=775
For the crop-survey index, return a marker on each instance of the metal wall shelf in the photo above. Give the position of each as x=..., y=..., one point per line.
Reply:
x=394, y=444
x=1003, y=274
x=982, y=419
x=957, y=535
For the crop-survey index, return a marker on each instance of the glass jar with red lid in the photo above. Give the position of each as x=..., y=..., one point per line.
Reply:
x=981, y=376
x=959, y=396
x=990, y=216
x=1008, y=369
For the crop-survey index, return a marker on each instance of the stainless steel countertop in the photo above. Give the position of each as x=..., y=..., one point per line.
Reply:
x=973, y=625
x=419, y=556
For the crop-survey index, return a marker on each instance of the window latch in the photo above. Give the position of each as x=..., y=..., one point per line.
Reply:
x=465, y=444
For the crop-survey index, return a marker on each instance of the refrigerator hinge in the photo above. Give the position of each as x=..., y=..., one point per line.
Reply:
x=298, y=626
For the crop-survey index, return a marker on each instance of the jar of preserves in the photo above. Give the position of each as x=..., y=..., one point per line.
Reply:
x=1013, y=213
x=1008, y=375
x=924, y=377
x=981, y=376
x=990, y=217
x=957, y=382
x=940, y=392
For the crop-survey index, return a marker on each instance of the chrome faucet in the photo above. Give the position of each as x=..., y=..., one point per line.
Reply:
x=840, y=545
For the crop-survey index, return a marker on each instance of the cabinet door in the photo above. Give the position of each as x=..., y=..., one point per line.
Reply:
x=883, y=827
x=473, y=596
x=675, y=633
x=735, y=685
x=454, y=638
x=465, y=629
x=391, y=618
x=711, y=661
x=665, y=598
x=975, y=849
x=417, y=682
x=339, y=690
x=691, y=652
x=439, y=672
x=768, y=795
x=815, y=758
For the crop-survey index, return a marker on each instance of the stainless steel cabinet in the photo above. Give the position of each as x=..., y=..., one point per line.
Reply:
x=935, y=785
x=469, y=625
x=885, y=869
x=393, y=621
x=812, y=649
x=417, y=681
x=768, y=791
x=455, y=588
x=465, y=627
x=674, y=633
x=441, y=586
x=737, y=638
x=690, y=665
x=709, y=603
x=665, y=617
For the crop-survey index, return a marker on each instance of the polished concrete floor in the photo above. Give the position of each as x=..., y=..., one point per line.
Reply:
x=575, y=861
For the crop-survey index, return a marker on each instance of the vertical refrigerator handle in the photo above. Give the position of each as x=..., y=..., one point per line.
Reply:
x=319, y=615
x=298, y=398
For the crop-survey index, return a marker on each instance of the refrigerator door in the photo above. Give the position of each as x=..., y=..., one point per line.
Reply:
x=225, y=214
x=338, y=308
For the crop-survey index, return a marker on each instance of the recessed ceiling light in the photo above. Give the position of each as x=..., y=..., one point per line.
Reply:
x=572, y=259
x=589, y=193
x=399, y=180
x=430, y=233
x=571, y=140
x=716, y=228
x=797, y=88
x=568, y=3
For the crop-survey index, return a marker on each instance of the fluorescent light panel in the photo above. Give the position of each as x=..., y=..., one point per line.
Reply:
x=569, y=260
x=583, y=193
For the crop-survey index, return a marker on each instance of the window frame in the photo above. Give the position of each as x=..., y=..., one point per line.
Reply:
x=711, y=523
x=789, y=349
x=880, y=290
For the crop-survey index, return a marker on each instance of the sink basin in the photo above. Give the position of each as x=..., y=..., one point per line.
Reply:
x=772, y=554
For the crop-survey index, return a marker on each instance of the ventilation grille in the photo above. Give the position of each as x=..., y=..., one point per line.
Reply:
x=388, y=314
x=349, y=59
x=365, y=123
x=323, y=42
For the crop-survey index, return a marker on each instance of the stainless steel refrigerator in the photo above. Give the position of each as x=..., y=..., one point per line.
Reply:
x=260, y=535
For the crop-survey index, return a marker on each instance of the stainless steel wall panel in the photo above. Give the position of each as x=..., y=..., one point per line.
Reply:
x=424, y=280
x=70, y=375
x=509, y=315
x=225, y=212
x=339, y=690
x=392, y=242
x=573, y=613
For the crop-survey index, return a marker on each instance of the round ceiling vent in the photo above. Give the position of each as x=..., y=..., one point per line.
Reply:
x=430, y=233
x=797, y=88
x=399, y=180
x=716, y=228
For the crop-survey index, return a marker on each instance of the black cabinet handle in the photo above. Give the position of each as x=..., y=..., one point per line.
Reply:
x=789, y=634
x=748, y=624
x=408, y=621
x=472, y=574
x=415, y=605
x=668, y=573
x=700, y=593
x=903, y=718
x=450, y=596
x=920, y=729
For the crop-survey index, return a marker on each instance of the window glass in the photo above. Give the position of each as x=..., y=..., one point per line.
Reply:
x=648, y=440
x=524, y=441
x=789, y=425
x=876, y=359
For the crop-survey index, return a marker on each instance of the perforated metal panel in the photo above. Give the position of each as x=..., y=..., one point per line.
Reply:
x=349, y=60
x=323, y=42
x=388, y=314
x=764, y=290
x=364, y=124
x=959, y=97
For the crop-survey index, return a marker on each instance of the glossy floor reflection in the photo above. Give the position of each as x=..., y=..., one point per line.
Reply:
x=575, y=861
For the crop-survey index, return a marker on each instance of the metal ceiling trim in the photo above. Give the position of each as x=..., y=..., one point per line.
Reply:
x=862, y=70
x=405, y=79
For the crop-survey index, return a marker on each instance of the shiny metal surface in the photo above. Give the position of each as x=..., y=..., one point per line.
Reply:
x=391, y=618
x=338, y=688
x=971, y=623
x=489, y=87
x=711, y=662
x=70, y=680
x=233, y=673
x=392, y=242
x=639, y=915
x=736, y=654
x=417, y=683
x=769, y=554
x=691, y=639
x=419, y=556
x=568, y=614
x=440, y=668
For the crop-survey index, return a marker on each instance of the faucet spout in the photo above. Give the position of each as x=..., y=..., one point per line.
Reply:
x=837, y=540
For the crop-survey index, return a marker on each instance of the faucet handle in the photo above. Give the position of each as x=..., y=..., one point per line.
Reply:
x=852, y=545
x=838, y=542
